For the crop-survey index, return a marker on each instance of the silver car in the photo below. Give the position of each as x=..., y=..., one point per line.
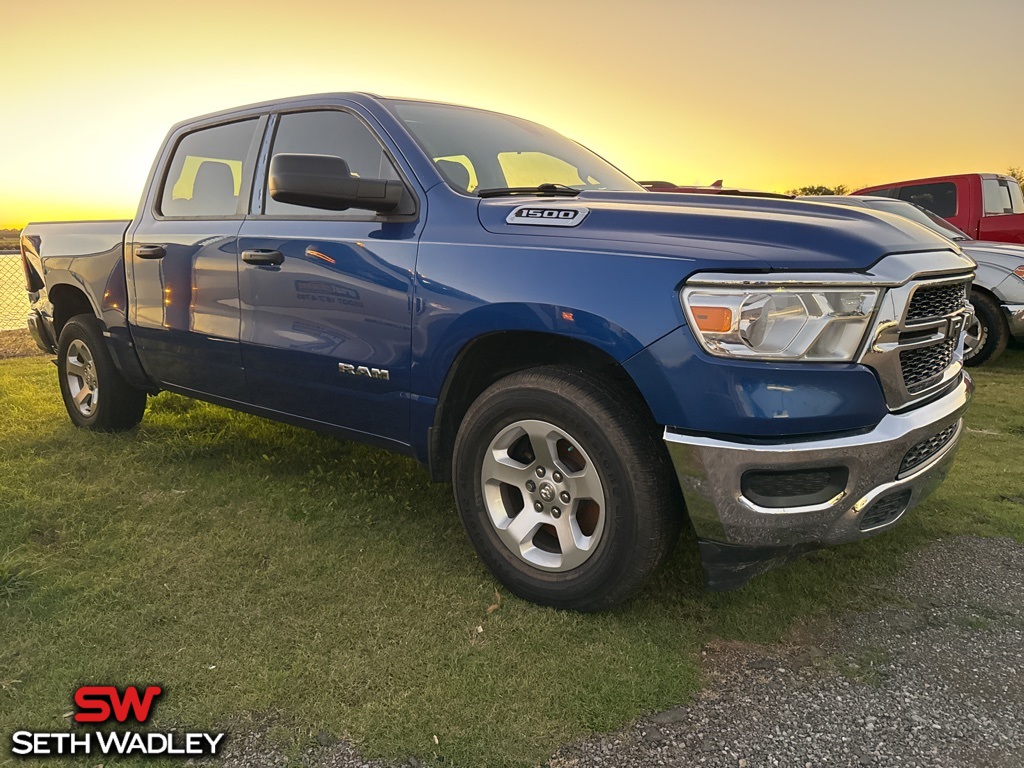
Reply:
x=998, y=290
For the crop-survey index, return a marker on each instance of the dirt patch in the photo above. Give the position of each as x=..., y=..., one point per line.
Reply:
x=17, y=344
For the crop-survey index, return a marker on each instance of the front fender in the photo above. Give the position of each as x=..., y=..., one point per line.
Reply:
x=1010, y=290
x=559, y=320
x=989, y=276
x=616, y=303
x=690, y=390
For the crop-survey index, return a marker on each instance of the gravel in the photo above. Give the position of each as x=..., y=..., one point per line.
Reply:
x=936, y=680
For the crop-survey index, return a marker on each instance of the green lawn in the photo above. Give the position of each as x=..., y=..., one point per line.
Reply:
x=265, y=573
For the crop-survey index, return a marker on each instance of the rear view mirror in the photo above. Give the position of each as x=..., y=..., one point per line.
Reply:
x=324, y=181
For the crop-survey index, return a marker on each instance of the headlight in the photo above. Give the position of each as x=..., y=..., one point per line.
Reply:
x=781, y=323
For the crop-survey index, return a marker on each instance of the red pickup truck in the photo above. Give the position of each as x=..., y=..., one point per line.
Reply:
x=987, y=206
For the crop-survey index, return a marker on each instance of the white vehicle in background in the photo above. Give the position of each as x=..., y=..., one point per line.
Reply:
x=998, y=289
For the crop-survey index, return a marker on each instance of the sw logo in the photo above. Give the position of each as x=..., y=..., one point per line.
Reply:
x=106, y=704
x=97, y=703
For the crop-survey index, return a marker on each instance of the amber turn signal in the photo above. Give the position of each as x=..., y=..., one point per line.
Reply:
x=713, y=319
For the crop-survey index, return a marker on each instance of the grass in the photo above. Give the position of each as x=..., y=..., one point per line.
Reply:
x=263, y=573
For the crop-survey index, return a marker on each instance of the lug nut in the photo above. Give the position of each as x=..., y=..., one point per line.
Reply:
x=556, y=512
x=531, y=486
x=565, y=497
x=540, y=471
x=556, y=476
x=538, y=506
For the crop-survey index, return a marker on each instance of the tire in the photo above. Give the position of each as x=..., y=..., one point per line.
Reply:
x=988, y=334
x=95, y=393
x=540, y=434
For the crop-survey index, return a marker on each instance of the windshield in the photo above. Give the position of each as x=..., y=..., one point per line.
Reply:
x=918, y=214
x=476, y=150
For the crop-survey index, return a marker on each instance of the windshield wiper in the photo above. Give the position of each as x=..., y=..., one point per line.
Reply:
x=557, y=190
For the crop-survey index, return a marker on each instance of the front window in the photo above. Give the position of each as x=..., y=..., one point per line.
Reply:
x=335, y=133
x=939, y=198
x=476, y=150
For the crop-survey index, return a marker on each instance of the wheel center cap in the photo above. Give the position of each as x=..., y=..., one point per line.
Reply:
x=547, y=491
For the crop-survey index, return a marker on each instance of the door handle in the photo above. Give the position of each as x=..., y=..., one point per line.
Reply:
x=150, y=251
x=263, y=257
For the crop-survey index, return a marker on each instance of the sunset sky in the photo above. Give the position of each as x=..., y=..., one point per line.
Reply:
x=767, y=95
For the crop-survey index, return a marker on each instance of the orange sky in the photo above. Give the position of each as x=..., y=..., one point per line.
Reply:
x=768, y=95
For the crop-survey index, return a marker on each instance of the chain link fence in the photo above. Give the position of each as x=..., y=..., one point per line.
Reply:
x=13, y=299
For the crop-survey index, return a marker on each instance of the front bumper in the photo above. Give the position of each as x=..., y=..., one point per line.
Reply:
x=1015, y=319
x=741, y=538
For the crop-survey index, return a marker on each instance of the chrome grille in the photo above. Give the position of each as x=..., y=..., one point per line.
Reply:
x=921, y=365
x=915, y=337
x=920, y=452
x=936, y=301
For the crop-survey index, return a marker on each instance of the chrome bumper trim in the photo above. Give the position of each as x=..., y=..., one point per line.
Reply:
x=710, y=470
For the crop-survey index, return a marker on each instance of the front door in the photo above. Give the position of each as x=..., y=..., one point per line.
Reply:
x=326, y=333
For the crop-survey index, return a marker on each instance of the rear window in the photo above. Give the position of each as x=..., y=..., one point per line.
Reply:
x=1002, y=196
x=1016, y=197
x=939, y=198
x=205, y=174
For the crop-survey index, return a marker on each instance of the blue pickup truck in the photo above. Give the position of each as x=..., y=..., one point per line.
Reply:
x=592, y=365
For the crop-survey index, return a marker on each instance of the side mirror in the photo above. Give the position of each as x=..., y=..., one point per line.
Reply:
x=324, y=181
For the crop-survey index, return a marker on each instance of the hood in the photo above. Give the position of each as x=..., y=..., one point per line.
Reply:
x=728, y=232
x=1005, y=255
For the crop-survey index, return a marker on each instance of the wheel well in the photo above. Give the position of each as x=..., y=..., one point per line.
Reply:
x=988, y=295
x=67, y=301
x=492, y=357
x=985, y=292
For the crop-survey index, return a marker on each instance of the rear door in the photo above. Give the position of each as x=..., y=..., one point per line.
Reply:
x=183, y=261
x=326, y=334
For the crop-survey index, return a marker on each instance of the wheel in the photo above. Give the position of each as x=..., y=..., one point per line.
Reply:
x=565, y=489
x=95, y=393
x=987, y=334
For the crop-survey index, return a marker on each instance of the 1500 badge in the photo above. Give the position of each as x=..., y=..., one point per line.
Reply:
x=547, y=217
